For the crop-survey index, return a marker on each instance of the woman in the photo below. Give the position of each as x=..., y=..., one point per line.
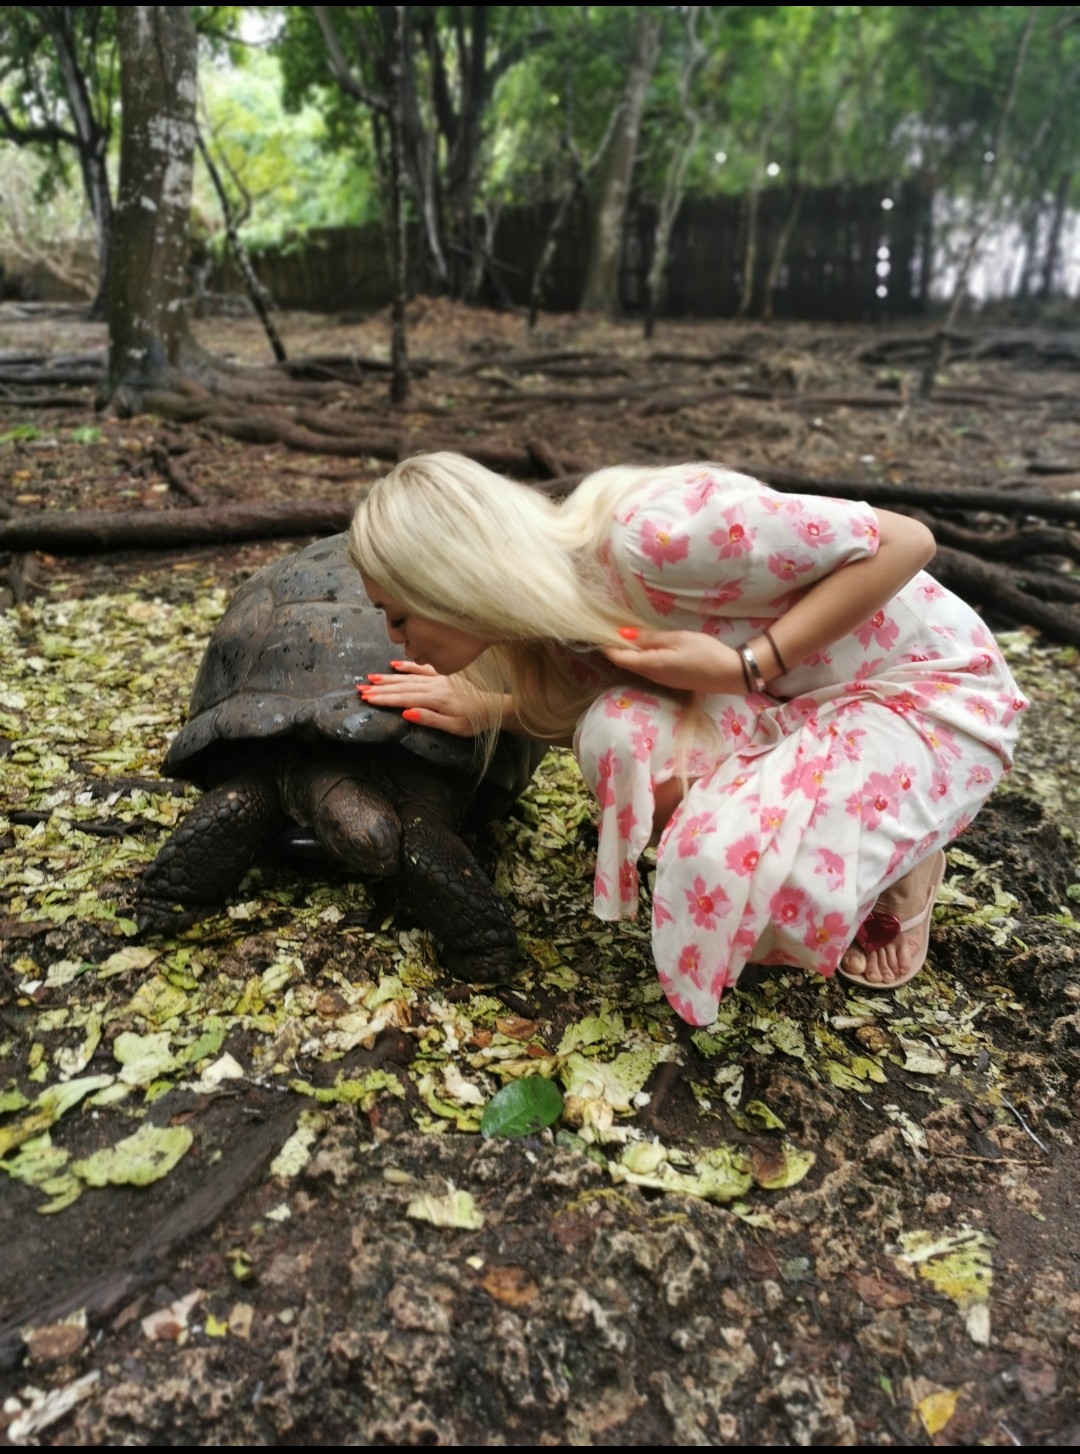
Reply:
x=769, y=681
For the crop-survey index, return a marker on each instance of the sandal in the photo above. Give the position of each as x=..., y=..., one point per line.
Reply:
x=880, y=928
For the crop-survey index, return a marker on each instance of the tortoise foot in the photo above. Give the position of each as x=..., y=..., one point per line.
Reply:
x=207, y=856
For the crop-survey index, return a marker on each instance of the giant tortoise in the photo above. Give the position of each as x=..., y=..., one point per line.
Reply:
x=278, y=737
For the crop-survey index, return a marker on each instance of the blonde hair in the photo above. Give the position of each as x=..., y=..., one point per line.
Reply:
x=459, y=544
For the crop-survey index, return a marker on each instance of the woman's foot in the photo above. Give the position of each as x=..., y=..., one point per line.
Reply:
x=891, y=945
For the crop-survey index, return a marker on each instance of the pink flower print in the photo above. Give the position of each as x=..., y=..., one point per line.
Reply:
x=868, y=669
x=742, y=856
x=628, y=883
x=832, y=867
x=601, y=886
x=874, y=801
x=606, y=768
x=815, y=531
x=736, y=540
x=806, y=777
x=642, y=739
x=832, y=929
x=929, y=589
x=942, y=741
x=770, y=821
x=662, y=602
x=879, y=629
x=866, y=528
x=683, y=1007
x=702, y=488
x=981, y=663
x=733, y=726
x=980, y=776
x=982, y=707
x=660, y=912
x=689, y=832
x=940, y=787
x=787, y=906
x=721, y=981
x=787, y=567
x=626, y=820
x=706, y=906
x=661, y=546
x=690, y=965
x=1015, y=706
x=906, y=701
x=847, y=745
x=714, y=600
x=734, y=785
x=616, y=706
x=904, y=778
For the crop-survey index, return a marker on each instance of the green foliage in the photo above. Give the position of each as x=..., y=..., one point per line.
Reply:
x=522, y=1108
x=281, y=171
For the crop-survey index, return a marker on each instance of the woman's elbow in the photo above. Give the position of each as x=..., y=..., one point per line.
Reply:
x=927, y=545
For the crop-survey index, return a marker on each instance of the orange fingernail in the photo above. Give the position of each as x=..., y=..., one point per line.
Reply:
x=374, y=676
x=629, y=633
x=397, y=665
x=411, y=714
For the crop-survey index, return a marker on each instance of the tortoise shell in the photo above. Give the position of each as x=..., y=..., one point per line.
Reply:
x=283, y=663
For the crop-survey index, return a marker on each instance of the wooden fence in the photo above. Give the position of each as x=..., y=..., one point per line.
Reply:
x=855, y=254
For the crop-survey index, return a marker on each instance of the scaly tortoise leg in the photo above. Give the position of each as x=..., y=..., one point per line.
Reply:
x=208, y=855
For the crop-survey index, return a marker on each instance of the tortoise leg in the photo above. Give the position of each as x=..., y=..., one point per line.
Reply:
x=209, y=853
x=355, y=822
x=450, y=895
x=442, y=886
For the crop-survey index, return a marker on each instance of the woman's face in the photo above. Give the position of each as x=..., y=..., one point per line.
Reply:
x=431, y=643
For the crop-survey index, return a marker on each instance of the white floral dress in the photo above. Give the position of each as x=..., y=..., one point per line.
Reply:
x=806, y=802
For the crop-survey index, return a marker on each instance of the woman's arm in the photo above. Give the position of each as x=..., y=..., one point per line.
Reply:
x=830, y=609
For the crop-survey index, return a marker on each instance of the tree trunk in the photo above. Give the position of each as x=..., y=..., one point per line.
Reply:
x=671, y=201
x=92, y=144
x=399, y=353
x=980, y=224
x=1053, y=241
x=602, y=281
x=149, y=339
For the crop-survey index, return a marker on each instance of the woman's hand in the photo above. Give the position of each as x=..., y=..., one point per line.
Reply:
x=686, y=660
x=430, y=700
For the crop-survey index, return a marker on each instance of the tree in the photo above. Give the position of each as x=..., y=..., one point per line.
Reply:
x=450, y=60
x=601, y=282
x=150, y=345
x=59, y=74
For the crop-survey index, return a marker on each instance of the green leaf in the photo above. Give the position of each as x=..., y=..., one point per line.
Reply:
x=86, y=434
x=138, y=1160
x=522, y=1107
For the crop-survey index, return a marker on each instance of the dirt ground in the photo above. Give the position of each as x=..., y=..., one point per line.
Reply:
x=831, y=1219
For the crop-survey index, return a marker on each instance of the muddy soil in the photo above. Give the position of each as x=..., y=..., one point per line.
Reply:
x=833, y=1219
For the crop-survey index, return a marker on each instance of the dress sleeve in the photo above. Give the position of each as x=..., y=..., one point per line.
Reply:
x=706, y=542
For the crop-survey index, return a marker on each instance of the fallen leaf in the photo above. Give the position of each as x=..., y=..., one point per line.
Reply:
x=169, y=1325
x=937, y=1409
x=510, y=1285
x=515, y=1027
x=144, y=1157
x=522, y=1108
x=48, y=1408
x=457, y=1209
x=959, y=1266
x=56, y=1341
x=878, y=1294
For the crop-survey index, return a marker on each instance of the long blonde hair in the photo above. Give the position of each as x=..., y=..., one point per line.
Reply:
x=459, y=544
